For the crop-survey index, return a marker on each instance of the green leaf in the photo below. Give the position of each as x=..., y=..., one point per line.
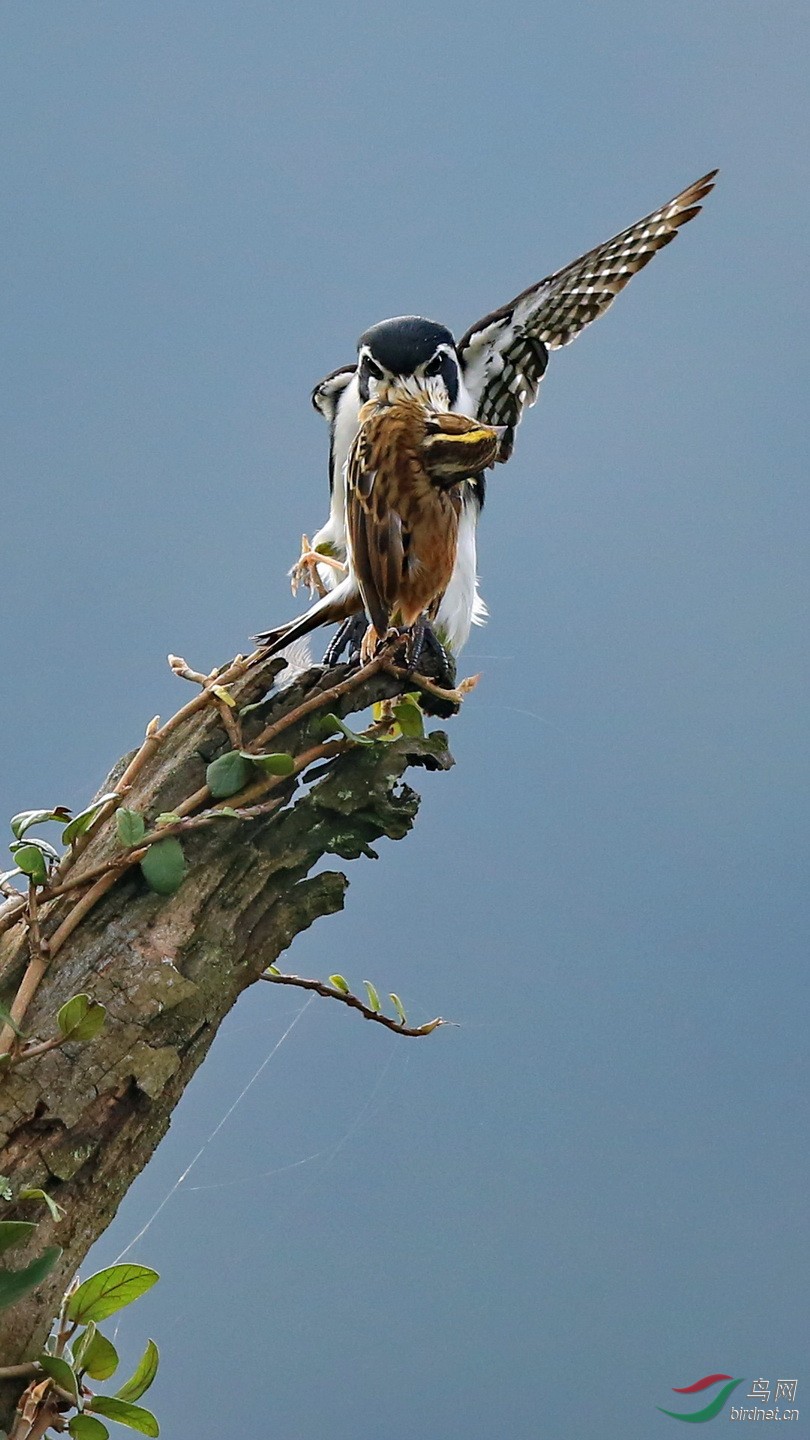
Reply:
x=16, y=1283
x=143, y=1376
x=100, y=1358
x=82, y=822
x=373, y=997
x=409, y=718
x=47, y=850
x=164, y=866
x=61, y=1372
x=32, y=862
x=85, y=1427
x=109, y=1290
x=227, y=775
x=400, y=1008
x=26, y=818
x=34, y=1193
x=81, y=1018
x=6, y=1192
x=280, y=764
x=81, y=1345
x=330, y=724
x=168, y=817
x=340, y=984
x=15, y=1232
x=130, y=825
x=132, y=1415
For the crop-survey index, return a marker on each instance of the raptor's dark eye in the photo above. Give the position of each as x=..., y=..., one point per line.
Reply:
x=434, y=366
x=373, y=371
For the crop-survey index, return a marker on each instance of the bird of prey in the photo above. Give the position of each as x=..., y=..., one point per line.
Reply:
x=492, y=373
x=406, y=469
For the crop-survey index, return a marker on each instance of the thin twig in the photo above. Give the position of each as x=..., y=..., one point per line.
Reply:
x=77, y=882
x=34, y=1051
x=332, y=993
x=317, y=702
x=146, y=750
x=229, y=717
x=36, y=946
x=37, y=1410
x=183, y=671
x=19, y=1372
x=39, y=952
x=129, y=856
x=67, y=1330
x=148, y=746
x=260, y=787
x=10, y=912
x=324, y=751
x=38, y=964
x=84, y=906
x=421, y=682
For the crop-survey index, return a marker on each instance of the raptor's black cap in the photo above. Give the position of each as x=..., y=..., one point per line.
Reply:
x=405, y=342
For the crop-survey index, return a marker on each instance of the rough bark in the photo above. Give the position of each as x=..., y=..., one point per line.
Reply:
x=82, y=1120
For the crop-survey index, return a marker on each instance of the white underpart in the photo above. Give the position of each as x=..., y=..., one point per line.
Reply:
x=462, y=606
x=299, y=659
x=333, y=533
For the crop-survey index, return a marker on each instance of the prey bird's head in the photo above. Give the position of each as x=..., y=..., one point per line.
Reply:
x=456, y=448
x=409, y=355
x=451, y=448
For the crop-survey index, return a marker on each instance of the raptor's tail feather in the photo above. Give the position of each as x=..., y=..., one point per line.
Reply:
x=337, y=605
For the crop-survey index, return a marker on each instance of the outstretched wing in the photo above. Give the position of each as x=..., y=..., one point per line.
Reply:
x=504, y=356
x=375, y=537
x=326, y=398
x=328, y=391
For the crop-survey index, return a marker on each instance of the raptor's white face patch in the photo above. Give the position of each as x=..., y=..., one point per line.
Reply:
x=372, y=376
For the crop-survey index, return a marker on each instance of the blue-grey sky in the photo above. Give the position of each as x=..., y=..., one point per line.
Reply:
x=595, y=1188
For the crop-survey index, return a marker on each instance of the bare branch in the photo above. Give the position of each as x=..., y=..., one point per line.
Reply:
x=330, y=992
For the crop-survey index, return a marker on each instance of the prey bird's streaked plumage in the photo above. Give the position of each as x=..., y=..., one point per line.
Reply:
x=492, y=373
x=405, y=472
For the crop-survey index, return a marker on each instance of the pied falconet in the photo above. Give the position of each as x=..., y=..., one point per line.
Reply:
x=491, y=374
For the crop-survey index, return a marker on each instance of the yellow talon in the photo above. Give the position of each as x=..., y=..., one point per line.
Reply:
x=305, y=570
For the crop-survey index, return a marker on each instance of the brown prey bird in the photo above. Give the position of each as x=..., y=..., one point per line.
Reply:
x=405, y=474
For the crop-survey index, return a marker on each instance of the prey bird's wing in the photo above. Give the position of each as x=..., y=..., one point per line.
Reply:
x=504, y=356
x=375, y=537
